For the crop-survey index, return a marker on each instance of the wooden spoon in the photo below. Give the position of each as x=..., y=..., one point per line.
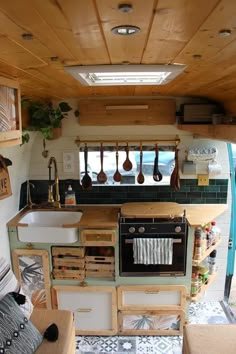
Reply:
x=140, y=177
x=86, y=180
x=174, y=178
x=101, y=177
x=127, y=165
x=157, y=176
x=117, y=176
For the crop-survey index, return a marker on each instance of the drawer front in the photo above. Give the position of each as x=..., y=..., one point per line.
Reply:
x=98, y=237
x=151, y=322
x=94, y=308
x=100, y=267
x=172, y=297
x=68, y=263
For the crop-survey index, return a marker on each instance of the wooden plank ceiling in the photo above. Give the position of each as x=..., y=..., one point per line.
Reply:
x=79, y=32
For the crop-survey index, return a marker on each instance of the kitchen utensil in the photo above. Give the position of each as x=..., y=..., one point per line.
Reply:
x=45, y=152
x=117, y=176
x=140, y=177
x=86, y=180
x=157, y=176
x=174, y=178
x=101, y=177
x=127, y=165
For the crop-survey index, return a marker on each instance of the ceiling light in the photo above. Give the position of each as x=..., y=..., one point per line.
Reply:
x=113, y=75
x=125, y=30
x=224, y=33
x=125, y=8
x=27, y=36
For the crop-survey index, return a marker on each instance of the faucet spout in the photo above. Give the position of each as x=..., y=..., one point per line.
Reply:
x=56, y=201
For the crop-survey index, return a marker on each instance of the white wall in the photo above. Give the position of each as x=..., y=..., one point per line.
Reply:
x=19, y=172
x=72, y=129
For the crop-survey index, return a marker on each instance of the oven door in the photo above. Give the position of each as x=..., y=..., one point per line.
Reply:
x=128, y=267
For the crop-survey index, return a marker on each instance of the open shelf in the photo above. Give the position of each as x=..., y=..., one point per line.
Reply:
x=210, y=280
x=196, y=262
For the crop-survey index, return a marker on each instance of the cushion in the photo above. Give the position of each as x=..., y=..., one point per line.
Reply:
x=8, y=281
x=17, y=333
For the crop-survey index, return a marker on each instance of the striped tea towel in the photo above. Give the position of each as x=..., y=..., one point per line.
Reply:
x=153, y=250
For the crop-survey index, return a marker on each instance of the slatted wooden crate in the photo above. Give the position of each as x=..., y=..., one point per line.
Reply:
x=68, y=262
x=99, y=266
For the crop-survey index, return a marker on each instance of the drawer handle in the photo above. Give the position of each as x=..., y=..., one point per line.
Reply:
x=152, y=292
x=83, y=310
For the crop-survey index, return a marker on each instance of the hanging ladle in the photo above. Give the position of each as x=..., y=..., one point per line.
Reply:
x=140, y=177
x=101, y=177
x=117, y=176
x=127, y=165
x=86, y=180
x=157, y=176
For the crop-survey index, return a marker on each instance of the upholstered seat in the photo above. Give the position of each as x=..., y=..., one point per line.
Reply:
x=209, y=339
x=65, y=344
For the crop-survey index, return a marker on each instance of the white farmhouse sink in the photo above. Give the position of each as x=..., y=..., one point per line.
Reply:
x=49, y=226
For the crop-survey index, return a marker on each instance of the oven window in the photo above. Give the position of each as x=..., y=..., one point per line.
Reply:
x=166, y=164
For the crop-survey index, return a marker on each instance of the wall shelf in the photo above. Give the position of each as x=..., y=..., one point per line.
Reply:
x=210, y=280
x=196, y=262
x=224, y=132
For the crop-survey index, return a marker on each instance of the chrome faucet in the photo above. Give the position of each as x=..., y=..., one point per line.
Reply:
x=56, y=202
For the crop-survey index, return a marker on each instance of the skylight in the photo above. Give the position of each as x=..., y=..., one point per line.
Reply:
x=112, y=75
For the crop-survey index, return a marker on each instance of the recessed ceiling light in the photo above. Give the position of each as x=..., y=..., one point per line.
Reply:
x=224, y=33
x=125, y=8
x=125, y=30
x=113, y=75
x=27, y=36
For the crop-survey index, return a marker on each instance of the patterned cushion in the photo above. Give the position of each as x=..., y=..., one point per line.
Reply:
x=8, y=281
x=17, y=334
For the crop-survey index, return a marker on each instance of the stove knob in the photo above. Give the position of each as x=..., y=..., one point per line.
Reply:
x=141, y=229
x=131, y=230
x=178, y=229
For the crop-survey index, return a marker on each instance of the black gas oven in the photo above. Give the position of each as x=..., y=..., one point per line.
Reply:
x=153, y=246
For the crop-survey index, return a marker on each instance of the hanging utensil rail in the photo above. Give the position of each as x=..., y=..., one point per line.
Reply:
x=175, y=141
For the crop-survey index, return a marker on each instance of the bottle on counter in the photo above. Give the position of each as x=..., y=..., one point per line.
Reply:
x=70, y=196
x=212, y=262
x=215, y=231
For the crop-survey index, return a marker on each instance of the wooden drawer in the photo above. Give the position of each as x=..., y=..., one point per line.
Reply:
x=100, y=267
x=156, y=322
x=68, y=263
x=146, y=297
x=98, y=237
x=94, y=308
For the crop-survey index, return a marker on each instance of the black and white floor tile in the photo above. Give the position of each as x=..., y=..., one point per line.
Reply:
x=201, y=312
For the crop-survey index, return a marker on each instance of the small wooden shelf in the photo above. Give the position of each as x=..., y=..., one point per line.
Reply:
x=210, y=280
x=224, y=132
x=196, y=262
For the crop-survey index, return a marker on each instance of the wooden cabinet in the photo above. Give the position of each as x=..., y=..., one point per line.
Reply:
x=96, y=237
x=94, y=308
x=10, y=114
x=151, y=310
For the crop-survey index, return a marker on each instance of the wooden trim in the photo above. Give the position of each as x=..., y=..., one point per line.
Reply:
x=16, y=255
x=151, y=289
x=162, y=332
x=196, y=262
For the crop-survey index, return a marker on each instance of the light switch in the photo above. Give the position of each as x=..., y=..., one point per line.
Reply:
x=68, y=162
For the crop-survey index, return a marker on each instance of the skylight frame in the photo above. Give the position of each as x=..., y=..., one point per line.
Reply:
x=84, y=74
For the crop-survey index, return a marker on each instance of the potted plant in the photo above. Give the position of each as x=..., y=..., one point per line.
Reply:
x=44, y=117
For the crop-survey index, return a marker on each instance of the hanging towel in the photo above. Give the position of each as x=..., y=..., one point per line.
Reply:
x=153, y=250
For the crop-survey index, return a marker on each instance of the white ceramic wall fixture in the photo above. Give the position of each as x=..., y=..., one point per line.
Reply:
x=49, y=226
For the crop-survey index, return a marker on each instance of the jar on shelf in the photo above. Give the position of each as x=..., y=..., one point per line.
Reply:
x=198, y=251
x=215, y=231
x=212, y=262
x=195, y=284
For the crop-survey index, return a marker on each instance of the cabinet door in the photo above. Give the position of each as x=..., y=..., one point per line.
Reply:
x=169, y=297
x=95, y=310
x=151, y=322
x=98, y=237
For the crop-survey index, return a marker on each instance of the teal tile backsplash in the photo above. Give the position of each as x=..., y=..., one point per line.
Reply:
x=189, y=193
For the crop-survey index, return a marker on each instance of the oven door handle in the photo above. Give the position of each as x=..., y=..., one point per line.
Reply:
x=176, y=240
